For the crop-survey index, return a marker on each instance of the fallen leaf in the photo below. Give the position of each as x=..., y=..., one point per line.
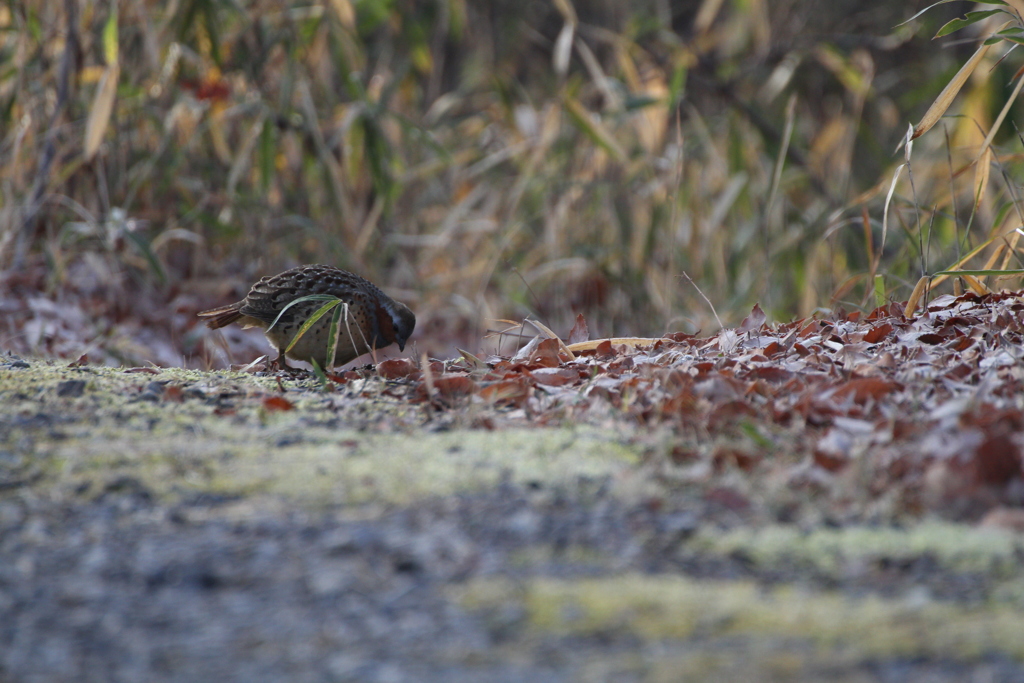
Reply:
x=273, y=403
x=579, y=332
x=878, y=333
x=753, y=321
x=452, y=384
x=512, y=392
x=397, y=368
x=864, y=388
x=555, y=377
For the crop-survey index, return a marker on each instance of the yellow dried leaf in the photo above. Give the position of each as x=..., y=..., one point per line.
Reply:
x=218, y=134
x=568, y=12
x=945, y=98
x=830, y=144
x=981, y=172
x=976, y=285
x=706, y=14
x=346, y=14
x=652, y=125
x=915, y=297
x=91, y=74
x=634, y=342
x=102, y=108
x=990, y=264
x=551, y=335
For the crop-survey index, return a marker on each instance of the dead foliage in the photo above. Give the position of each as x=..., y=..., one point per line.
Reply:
x=869, y=410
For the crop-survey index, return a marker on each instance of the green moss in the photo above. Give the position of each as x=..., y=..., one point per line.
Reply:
x=217, y=435
x=831, y=625
x=956, y=547
x=348, y=466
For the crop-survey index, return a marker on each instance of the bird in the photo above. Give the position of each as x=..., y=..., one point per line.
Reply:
x=370, y=319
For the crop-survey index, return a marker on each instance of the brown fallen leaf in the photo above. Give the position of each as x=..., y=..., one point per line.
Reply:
x=508, y=392
x=579, y=332
x=753, y=321
x=878, y=333
x=274, y=403
x=397, y=368
x=864, y=388
x=453, y=384
x=555, y=377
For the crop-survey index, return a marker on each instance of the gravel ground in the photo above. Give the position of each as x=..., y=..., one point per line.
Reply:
x=122, y=588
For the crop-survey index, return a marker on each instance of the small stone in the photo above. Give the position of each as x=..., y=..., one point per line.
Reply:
x=72, y=388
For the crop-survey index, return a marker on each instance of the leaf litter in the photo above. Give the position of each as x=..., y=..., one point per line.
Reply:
x=876, y=413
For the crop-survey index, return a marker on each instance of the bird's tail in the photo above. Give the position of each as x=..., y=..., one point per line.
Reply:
x=219, y=317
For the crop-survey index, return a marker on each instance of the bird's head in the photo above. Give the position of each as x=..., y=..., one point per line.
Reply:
x=402, y=321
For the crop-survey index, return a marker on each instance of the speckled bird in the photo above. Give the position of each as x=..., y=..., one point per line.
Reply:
x=374, y=320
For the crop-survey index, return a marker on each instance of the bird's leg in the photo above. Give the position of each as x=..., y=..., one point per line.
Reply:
x=281, y=364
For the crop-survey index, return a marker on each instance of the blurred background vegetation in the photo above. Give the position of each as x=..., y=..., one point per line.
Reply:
x=481, y=160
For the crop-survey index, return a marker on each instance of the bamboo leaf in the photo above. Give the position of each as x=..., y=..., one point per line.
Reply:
x=312, y=320
x=563, y=49
x=943, y=2
x=301, y=299
x=969, y=18
x=885, y=209
x=319, y=372
x=345, y=12
x=920, y=289
x=551, y=335
x=110, y=36
x=1014, y=38
x=475, y=363
x=981, y=175
x=594, y=128
x=102, y=108
x=976, y=285
x=945, y=98
x=981, y=273
x=334, y=332
x=567, y=10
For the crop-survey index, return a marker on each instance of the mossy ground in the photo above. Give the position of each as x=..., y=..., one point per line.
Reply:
x=180, y=431
x=522, y=551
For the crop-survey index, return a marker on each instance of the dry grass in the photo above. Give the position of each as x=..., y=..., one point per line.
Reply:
x=496, y=160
